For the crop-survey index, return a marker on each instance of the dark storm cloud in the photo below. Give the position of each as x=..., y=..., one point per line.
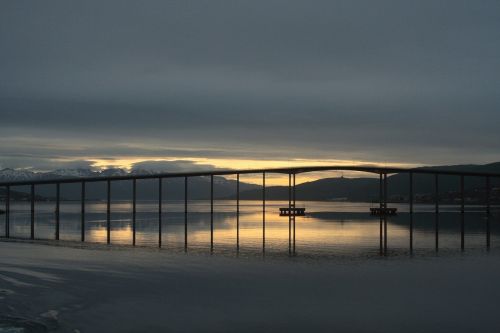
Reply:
x=406, y=80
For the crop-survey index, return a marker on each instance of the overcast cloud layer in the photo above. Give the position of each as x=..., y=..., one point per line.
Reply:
x=402, y=81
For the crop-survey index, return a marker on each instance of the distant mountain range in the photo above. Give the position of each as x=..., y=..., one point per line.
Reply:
x=23, y=174
x=349, y=189
x=367, y=189
x=173, y=189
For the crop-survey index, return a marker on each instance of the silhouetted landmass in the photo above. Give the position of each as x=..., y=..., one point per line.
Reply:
x=367, y=189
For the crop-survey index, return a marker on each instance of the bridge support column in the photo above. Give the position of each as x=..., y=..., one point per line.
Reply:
x=385, y=190
x=32, y=197
x=237, y=213
x=160, y=212
x=134, y=210
x=381, y=192
x=7, y=211
x=185, y=214
x=381, y=205
x=385, y=217
x=58, y=210
x=293, y=216
x=488, y=233
x=82, y=213
x=381, y=236
x=108, y=213
x=385, y=235
x=462, y=214
x=410, y=200
x=211, y=213
x=436, y=208
x=290, y=215
x=263, y=212
x=488, y=190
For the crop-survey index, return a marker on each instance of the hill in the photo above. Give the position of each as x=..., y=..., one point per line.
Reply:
x=367, y=189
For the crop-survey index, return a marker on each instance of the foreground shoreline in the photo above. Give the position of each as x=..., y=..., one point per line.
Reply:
x=122, y=289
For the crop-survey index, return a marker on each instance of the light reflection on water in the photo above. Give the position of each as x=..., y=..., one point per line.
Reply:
x=329, y=227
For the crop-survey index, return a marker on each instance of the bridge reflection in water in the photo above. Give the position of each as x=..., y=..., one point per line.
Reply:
x=232, y=224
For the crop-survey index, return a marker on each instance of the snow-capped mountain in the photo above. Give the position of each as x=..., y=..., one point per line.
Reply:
x=80, y=172
x=9, y=174
x=17, y=175
x=113, y=172
x=143, y=172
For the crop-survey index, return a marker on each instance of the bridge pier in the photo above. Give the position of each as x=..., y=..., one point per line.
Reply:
x=488, y=233
x=381, y=189
x=410, y=199
x=290, y=215
x=185, y=214
x=237, y=213
x=381, y=205
x=32, y=215
x=160, y=210
x=263, y=212
x=488, y=213
x=488, y=189
x=211, y=213
x=82, y=213
x=293, y=216
x=462, y=213
x=385, y=235
x=436, y=210
x=381, y=236
x=134, y=210
x=7, y=211
x=108, y=213
x=58, y=210
x=385, y=217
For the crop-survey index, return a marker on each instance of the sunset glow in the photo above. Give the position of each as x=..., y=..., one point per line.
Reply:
x=240, y=164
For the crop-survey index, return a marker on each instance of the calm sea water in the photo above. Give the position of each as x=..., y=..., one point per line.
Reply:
x=330, y=228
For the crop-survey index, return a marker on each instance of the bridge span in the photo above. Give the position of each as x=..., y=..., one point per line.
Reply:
x=382, y=172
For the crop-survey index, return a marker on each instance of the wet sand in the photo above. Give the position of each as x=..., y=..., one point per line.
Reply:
x=122, y=289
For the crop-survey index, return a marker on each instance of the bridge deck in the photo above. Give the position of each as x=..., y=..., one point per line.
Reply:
x=294, y=170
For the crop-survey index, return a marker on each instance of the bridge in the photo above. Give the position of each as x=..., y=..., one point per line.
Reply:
x=382, y=172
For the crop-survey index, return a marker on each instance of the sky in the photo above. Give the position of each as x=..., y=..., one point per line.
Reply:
x=190, y=85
